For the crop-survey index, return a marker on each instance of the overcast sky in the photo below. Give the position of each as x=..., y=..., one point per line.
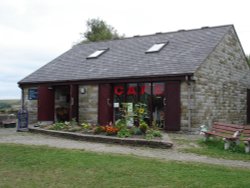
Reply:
x=34, y=32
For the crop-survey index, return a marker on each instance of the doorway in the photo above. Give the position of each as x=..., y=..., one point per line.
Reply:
x=66, y=103
x=62, y=103
x=46, y=103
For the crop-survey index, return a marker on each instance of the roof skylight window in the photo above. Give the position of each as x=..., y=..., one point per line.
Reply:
x=156, y=47
x=96, y=54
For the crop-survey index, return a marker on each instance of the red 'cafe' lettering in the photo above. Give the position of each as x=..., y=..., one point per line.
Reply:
x=132, y=90
x=119, y=90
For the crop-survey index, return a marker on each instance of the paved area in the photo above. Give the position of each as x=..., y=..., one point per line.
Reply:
x=11, y=136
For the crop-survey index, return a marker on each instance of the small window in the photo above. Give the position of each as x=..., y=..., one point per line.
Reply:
x=156, y=47
x=96, y=54
x=32, y=94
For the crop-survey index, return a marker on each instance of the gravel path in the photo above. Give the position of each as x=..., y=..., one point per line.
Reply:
x=11, y=136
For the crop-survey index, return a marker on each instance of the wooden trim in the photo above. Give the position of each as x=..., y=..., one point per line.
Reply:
x=248, y=106
x=180, y=77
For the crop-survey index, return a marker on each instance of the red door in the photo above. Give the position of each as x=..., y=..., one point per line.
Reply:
x=105, y=106
x=45, y=103
x=172, y=106
x=73, y=110
x=248, y=106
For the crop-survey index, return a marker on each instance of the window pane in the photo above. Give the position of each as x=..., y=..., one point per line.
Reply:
x=119, y=99
x=156, y=47
x=96, y=54
x=158, y=104
x=131, y=92
x=144, y=99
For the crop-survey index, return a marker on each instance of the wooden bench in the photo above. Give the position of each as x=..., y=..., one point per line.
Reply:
x=246, y=138
x=229, y=132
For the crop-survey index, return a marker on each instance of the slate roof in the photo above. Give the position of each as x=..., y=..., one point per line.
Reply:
x=126, y=58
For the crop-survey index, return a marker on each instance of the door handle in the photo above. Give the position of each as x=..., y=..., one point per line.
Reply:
x=72, y=101
x=108, y=102
x=165, y=101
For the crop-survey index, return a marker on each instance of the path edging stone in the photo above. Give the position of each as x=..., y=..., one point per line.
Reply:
x=105, y=139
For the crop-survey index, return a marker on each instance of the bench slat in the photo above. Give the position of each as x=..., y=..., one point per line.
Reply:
x=246, y=133
x=222, y=129
x=229, y=125
x=222, y=135
x=233, y=129
x=225, y=130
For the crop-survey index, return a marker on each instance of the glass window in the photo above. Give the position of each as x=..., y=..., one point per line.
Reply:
x=119, y=99
x=145, y=100
x=131, y=92
x=158, y=104
x=96, y=54
x=137, y=100
x=156, y=47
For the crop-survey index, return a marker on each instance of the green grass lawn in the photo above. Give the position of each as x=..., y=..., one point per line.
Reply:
x=215, y=148
x=33, y=166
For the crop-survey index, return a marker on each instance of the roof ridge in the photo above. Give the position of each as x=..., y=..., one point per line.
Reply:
x=158, y=33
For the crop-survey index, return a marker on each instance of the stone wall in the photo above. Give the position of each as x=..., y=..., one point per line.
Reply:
x=88, y=104
x=30, y=105
x=221, y=83
x=186, y=104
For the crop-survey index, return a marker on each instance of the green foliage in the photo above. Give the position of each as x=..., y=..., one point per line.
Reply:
x=120, y=123
x=41, y=166
x=10, y=106
x=98, y=129
x=58, y=126
x=71, y=126
x=143, y=126
x=135, y=131
x=86, y=126
x=4, y=106
x=141, y=111
x=123, y=133
x=151, y=133
x=99, y=30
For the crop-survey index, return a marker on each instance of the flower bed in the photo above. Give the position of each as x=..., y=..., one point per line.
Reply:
x=120, y=130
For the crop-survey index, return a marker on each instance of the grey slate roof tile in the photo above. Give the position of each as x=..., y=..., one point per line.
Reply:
x=126, y=58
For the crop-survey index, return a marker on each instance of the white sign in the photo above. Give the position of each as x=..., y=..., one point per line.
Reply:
x=116, y=105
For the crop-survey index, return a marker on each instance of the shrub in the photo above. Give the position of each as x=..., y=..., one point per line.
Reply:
x=151, y=133
x=86, y=126
x=123, y=133
x=157, y=133
x=110, y=130
x=143, y=126
x=135, y=131
x=57, y=126
x=120, y=124
x=98, y=129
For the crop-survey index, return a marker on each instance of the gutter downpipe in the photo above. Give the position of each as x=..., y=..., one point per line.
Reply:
x=22, y=97
x=189, y=83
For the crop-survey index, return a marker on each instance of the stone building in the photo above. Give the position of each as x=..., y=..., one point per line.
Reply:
x=183, y=79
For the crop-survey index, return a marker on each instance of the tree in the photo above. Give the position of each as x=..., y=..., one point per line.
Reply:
x=99, y=30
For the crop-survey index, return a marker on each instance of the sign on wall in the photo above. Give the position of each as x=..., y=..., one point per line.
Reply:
x=32, y=94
